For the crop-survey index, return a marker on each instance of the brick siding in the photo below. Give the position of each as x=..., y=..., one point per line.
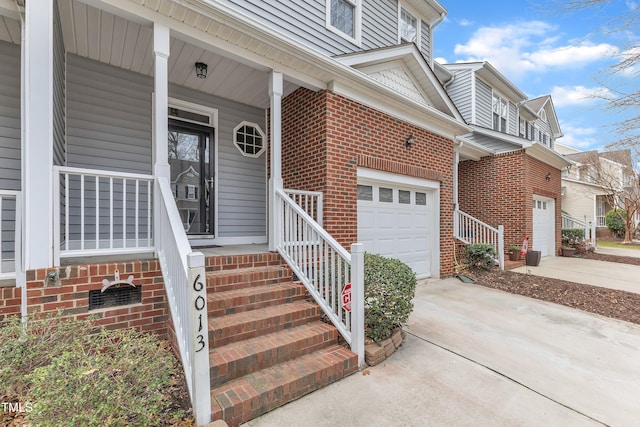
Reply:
x=327, y=137
x=499, y=190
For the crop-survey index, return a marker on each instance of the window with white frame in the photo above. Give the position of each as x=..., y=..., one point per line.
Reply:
x=191, y=192
x=344, y=18
x=500, y=113
x=523, y=126
x=249, y=139
x=543, y=116
x=408, y=27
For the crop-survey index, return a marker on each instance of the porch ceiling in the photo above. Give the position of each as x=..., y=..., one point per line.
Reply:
x=102, y=36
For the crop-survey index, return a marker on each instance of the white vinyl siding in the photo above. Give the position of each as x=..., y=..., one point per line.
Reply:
x=425, y=42
x=459, y=91
x=10, y=124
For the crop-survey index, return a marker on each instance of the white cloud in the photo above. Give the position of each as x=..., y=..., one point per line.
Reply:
x=582, y=138
x=578, y=95
x=465, y=22
x=524, y=47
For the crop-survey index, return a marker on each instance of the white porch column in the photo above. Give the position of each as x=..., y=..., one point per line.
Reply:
x=161, y=47
x=37, y=150
x=275, y=180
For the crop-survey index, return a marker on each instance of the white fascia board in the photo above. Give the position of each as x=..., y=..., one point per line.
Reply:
x=548, y=156
x=410, y=181
x=587, y=184
x=401, y=107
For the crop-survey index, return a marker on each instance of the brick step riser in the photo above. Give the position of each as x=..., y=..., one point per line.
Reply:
x=223, y=370
x=231, y=262
x=222, y=282
x=253, y=328
x=248, y=405
x=220, y=307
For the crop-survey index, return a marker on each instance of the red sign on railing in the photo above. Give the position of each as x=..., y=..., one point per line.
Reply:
x=346, y=297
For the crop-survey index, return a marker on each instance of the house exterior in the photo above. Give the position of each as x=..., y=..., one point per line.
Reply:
x=513, y=177
x=595, y=183
x=143, y=128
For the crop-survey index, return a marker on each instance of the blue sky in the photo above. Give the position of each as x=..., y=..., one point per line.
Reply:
x=543, y=53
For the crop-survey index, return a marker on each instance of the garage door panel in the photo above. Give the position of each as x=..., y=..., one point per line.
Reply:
x=399, y=230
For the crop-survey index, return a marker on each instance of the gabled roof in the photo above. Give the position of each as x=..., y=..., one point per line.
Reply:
x=546, y=103
x=493, y=77
x=403, y=69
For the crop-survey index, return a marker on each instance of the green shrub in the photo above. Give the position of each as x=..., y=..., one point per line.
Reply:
x=614, y=222
x=571, y=237
x=389, y=288
x=480, y=255
x=75, y=377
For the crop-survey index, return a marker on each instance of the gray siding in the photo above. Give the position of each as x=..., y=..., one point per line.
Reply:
x=10, y=124
x=305, y=22
x=513, y=119
x=59, y=156
x=108, y=117
x=425, y=45
x=545, y=128
x=483, y=104
x=494, y=144
x=242, y=184
x=459, y=91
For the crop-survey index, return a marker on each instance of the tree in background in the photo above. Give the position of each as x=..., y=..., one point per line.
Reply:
x=620, y=79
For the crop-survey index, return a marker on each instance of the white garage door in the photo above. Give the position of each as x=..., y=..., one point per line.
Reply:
x=544, y=225
x=400, y=220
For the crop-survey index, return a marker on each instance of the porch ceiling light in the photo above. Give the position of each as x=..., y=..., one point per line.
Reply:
x=409, y=141
x=548, y=177
x=201, y=70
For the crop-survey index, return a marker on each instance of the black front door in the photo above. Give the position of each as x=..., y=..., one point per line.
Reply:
x=192, y=182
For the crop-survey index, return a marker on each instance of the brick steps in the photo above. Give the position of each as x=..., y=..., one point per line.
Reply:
x=267, y=345
x=240, y=358
x=245, y=299
x=245, y=398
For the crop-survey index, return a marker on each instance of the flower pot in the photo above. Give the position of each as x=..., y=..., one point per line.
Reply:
x=568, y=252
x=533, y=258
x=514, y=256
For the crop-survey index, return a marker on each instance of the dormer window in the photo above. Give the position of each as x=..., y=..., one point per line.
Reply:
x=500, y=113
x=408, y=27
x=543, y=116
x=343, y=18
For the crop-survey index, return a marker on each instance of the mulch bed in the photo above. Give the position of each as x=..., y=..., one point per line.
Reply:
x=612, y=303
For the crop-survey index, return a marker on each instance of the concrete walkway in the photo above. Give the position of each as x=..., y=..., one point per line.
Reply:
x=610, y=275
x=619, y=251
x=477, y=356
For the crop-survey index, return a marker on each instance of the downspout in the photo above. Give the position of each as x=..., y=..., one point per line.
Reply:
x=431, y=27
x=458, y=144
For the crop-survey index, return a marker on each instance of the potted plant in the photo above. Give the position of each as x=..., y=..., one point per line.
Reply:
x=571, y=238
x=514, y=253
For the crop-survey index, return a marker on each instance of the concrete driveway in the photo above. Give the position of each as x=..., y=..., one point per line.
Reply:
x=477, y=356
x=591, y=272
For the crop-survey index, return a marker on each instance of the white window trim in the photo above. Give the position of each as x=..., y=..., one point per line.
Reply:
x=413, y=13
x=495, y=93
x=357, y=30
x=260, y=131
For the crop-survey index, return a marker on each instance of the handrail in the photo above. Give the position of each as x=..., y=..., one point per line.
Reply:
x=324, y=267
x=471, y=230
x=185, y=284
x=310, y=201
x=101, y=212
x=589, y=227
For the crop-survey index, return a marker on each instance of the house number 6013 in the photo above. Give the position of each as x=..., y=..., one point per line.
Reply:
x=199, y=303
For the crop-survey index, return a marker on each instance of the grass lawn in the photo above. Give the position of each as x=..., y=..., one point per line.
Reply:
x=618, y=245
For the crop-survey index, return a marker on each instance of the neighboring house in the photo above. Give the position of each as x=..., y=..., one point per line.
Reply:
x=587, y=197
x=512, y=178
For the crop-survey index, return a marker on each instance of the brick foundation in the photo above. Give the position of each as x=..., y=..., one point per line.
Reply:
x=70, y=294
x=327, y=137
x=499, y=190
x=9, y=301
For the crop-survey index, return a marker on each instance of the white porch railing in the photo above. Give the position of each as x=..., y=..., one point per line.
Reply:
x=600, y=221
x=589, y=228
x=470, y=230
x=309, y=201
x=10, y=235
x=324, y=267
x=185, y=284
x=101, y=212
